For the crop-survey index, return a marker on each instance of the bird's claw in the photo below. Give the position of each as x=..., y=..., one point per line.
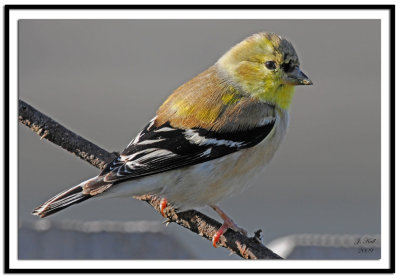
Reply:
x=224, y=227
x=166, y=222
x=163, y=205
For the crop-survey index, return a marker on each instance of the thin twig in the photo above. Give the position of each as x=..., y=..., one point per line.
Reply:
x=248, y=248
x=47, y=128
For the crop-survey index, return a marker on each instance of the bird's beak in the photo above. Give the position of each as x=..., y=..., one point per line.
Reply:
x=296, y=77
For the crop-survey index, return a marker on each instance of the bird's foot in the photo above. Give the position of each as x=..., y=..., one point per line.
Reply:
x=228, y=223
x=163, y=205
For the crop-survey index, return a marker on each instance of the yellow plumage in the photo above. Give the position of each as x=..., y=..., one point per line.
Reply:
x=239, y=74
x=210, y=136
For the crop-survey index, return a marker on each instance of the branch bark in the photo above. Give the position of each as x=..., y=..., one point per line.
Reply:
x=44, y=126
x=49, y=129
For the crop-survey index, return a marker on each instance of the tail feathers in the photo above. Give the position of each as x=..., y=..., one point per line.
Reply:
x=63, y=200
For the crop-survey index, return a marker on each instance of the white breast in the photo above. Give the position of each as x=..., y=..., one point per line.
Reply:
x=210, y=182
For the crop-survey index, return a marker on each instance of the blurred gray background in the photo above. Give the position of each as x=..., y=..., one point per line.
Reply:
x=104, y=79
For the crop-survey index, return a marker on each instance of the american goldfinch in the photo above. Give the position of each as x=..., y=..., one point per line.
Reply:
x=209, y=137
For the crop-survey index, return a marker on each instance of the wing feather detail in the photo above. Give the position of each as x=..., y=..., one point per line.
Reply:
x=164, y=148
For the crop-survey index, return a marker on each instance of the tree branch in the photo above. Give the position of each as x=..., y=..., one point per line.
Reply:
x=44, y=126
x=47, y=128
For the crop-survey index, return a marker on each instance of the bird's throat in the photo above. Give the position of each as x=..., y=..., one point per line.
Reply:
x=281, y=97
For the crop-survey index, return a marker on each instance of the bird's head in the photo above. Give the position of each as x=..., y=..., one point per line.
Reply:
x=265, y=66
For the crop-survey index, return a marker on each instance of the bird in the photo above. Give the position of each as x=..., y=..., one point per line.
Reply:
x=210, y=136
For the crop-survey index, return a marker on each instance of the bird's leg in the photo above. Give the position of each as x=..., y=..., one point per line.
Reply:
x=228, y=223
x=163, y=205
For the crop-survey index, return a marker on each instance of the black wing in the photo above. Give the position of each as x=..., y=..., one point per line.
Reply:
x=163, y=148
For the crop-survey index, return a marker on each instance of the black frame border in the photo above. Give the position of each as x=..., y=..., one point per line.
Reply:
x=390, y=8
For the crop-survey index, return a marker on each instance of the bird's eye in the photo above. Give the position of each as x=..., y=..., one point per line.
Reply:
x=271, y=65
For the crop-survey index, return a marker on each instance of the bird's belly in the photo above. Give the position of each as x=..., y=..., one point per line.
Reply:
x=210, y=182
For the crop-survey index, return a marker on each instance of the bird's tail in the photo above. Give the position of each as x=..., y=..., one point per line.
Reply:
x=63, y=200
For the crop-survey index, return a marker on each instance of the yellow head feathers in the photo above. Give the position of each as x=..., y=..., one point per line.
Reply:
x=262, y=69
x=264, y=66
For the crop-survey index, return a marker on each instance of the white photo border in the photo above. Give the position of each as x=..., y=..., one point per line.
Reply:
x=13, y=14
